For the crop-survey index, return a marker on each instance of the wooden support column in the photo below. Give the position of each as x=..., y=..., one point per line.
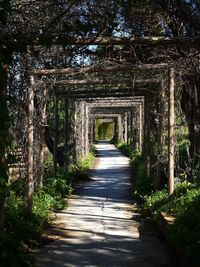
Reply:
x=140, y=127
x=30, y=182
x=171, y=134
x=116, y=131
x=82, y=143
x=93, y=131
x=131, y=129
x=66, y=134
x=147, y=137
x=42, y=133
x=161, y=112
x=87, y=143
x=126, y=128
x=55, y=152
x=120, y=135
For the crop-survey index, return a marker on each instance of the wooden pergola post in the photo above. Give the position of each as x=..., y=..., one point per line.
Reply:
x=66, y=130
x=171, y=133
x=30, y=171
x=160, y=136
x=120, y=135
x=87, y=143
x=55, y=152
x=131, y=128
x=42, y=134
x=140, y=127
x=147, y=149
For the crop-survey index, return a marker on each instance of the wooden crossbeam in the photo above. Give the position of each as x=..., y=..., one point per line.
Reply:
x=110, y=80
x=91, y=69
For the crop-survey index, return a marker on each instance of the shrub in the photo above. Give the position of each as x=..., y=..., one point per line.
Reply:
x=185, y=234
x=153, y=204
x=180, y=204
x=184, y=194
x=20, y=226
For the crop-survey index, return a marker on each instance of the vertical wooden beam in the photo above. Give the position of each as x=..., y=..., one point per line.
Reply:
x=140, y=127
x=119, y=119
x=147, y=149
x=30, y=186
x=131, y=129
x=161, y=112
x=42, y=133
x=87, y=144
x=126, y=128
x=66, y=130
x=171, y=135
x=116, y=130
x=55, y=152
x=83, y=129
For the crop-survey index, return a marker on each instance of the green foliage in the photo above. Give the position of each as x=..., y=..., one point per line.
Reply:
x=21, y=226
x=153, y=203
x=82, y=167
x=179, y=204
x=184, y=234
x=184, y=194
x=142, y=183
x=128, y=151
x=104, y=130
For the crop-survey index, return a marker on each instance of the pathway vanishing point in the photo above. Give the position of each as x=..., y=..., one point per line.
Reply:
x=101, y=226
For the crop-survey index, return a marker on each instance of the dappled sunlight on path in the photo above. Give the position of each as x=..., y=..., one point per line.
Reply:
x=101, y=226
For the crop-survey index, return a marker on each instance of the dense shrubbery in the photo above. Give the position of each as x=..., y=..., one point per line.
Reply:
x=184, y=194
x=184, y=234
x=21, y=227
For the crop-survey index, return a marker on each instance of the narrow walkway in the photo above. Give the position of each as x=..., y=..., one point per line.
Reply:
x=101, y=226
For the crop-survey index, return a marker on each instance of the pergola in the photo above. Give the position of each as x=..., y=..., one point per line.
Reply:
x=90, y=93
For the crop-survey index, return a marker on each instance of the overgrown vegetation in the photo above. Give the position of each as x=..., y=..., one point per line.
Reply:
x=22, y=228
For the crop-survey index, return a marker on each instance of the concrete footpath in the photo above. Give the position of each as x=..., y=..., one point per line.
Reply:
x=101, y=226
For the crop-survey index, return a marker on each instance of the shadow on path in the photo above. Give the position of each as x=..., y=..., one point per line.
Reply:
x=101, y=227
